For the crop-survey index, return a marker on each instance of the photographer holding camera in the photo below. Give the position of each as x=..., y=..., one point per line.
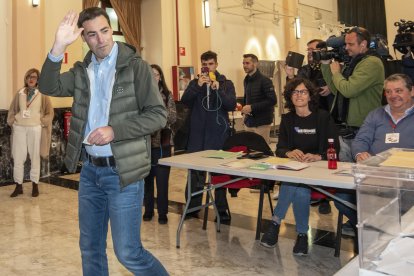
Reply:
x=357, y=87
x=312, y=72
x=210, y=97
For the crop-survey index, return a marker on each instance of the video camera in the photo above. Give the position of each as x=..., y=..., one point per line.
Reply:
x=337, y=51
x=377, y=47
x=405, y=36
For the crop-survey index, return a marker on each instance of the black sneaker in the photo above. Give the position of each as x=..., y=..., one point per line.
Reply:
x=324, y=207
x=269, y=239
x=301, y=245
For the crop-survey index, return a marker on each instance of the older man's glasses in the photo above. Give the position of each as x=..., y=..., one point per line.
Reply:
x=302, y=92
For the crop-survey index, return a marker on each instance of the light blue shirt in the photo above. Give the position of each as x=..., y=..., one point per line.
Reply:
x=101, y=77
x=407, y=112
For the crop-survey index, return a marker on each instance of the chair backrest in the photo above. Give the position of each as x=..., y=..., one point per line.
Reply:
x=251, y=140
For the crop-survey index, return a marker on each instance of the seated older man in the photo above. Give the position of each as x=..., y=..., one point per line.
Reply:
x=389, y=126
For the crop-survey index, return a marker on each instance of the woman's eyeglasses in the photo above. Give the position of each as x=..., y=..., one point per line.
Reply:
x=302, y=92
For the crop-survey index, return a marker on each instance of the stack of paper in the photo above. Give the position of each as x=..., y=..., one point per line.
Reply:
x=402, y=159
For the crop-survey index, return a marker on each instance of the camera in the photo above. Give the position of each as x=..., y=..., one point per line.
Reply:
x=377, y=47
x=337, y=51
x=405, y=36
x=204, y=71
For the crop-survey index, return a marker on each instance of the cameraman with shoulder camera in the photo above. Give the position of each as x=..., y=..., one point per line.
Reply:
x=360, y=81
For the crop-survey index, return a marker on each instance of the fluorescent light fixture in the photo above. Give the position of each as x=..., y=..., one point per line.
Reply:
x=35, y=3
x=297, y=27
x=206, y=13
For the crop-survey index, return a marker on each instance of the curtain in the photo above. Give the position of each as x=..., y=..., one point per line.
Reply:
x=369, y=14
x=129, y=16
x=90, y=3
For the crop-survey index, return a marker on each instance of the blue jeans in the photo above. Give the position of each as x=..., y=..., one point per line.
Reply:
x=350, y=213
x=101, y=199
x=299, y=195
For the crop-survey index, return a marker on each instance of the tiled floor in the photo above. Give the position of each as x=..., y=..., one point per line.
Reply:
x=39, y=236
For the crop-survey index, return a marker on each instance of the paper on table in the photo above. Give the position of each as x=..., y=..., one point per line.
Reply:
x=221, y=154
x=402, y=159
x=239, y=164
x=276, y=160
x=284, y=164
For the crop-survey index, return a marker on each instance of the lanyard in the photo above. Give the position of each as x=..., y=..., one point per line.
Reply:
x=31, y=101
x=393, y=126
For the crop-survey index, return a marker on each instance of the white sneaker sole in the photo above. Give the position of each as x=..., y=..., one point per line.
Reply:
x=267, y=245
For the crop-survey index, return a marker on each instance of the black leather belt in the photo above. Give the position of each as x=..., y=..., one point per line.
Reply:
x=108, y=161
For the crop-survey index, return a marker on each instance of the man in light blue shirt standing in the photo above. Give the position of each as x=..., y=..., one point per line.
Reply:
x=116, y=107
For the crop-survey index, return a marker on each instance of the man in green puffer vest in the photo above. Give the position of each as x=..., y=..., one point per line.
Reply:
x=116, y=107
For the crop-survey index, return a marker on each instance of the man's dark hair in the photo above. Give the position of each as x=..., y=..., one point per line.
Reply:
x=400, y=77
x=252, y=56
x=362, y=34
x=209, y=55
x=291, y=86
x=314, y=40
x=92, y=13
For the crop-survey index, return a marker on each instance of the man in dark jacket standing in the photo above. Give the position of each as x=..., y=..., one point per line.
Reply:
x=259, y=99
x=116, y=106
x=210, y=97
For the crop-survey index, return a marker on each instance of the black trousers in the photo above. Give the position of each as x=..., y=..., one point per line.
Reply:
x=161, y=174
x=198, y=179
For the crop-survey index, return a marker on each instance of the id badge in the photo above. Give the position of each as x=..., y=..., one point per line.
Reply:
x=392, y=138
x=26, y=114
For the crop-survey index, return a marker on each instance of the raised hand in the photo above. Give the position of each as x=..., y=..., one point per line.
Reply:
x=66, y=33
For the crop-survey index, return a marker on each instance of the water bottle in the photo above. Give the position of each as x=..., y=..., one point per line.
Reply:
x=331, y=155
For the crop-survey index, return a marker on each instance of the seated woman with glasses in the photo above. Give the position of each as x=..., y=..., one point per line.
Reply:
x=303, y=136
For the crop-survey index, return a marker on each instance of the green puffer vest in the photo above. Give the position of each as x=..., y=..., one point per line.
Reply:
x=136, y=110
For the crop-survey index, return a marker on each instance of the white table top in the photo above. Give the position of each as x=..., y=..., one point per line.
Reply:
x=317, y=174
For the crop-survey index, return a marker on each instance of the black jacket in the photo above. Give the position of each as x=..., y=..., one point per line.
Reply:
x=260, y=94
x=325, y=129
x=209, y=128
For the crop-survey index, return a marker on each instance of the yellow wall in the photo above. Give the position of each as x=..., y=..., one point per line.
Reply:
x=31, y=31
x=54, y=11
x=6, y=18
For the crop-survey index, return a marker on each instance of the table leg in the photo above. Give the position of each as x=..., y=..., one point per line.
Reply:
x=180, y=225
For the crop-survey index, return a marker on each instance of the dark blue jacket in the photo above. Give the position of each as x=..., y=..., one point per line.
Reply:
x=209, y=127
x=260, y=94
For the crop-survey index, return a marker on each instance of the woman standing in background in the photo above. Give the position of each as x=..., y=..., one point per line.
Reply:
x=30, y=116
x=160, y=147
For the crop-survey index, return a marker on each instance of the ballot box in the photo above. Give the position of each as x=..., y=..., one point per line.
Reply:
x=385, y=199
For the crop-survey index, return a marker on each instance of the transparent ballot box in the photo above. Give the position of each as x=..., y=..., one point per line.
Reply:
x=385, y=199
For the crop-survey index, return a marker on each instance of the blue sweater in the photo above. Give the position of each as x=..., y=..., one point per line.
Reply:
x=371, y=135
